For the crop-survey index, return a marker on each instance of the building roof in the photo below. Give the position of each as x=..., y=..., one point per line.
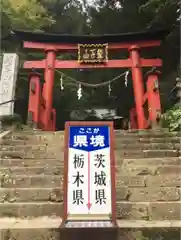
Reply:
x=106, y=38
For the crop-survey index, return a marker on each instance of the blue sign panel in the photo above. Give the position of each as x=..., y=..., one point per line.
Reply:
x=89, y=138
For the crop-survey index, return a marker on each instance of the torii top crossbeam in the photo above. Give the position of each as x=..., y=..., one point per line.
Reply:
x=143, y=36
x=67, y=42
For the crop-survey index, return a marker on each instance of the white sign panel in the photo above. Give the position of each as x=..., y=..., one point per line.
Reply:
x=8, y=82
x=89, y=172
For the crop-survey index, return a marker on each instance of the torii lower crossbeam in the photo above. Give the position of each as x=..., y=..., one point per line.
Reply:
x=72, y=64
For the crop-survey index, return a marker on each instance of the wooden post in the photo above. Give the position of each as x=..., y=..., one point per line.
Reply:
x=153, y=95
x=34, y=100
x=138, y=87
x=48, y=85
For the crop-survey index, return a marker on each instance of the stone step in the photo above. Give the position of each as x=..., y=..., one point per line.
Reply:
x=125, y=168
x=130, y=140
x=7, y=142
x=46, y=228
x=32, y=148
x=124, y=210
x=6, y=162
x=31, y=209
x=35, y=136
x=123, y=134
x=30, y=154
x=32, y=133
x=132, y=194
x=37, y=132
x=144, y=170
x=124, y=153
x=146, y=134
x=13, y=195
x=118, y=140
x=54, y=181
x=119, y=146
x=15, y=137
x=38, y=148
x=147, y=146
x=176, y=161
x=148, y=194
x=25, y=181
x=48, y=170
x=25, y=147
x=147, y=153
x=165, y=180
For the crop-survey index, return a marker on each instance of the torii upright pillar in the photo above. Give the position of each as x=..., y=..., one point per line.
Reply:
x=48, y=86
x=138, y=86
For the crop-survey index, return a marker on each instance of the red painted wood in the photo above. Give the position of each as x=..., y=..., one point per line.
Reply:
x=65, y=46
x=154, y=104
x=110, y=64
x=34, y=64
x=73, y=64
x=150, y=62
x=137, y=77
x=48, y=85
x=34, y=98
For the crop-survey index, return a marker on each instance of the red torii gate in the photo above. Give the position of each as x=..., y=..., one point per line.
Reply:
x=40, y=101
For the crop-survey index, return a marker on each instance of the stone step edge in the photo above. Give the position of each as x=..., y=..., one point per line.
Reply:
x=121, y=150
x=61, y=165
x=55, y=223
x=127, y=159
x=4, y=133
x=119, y=202
x=147, y=203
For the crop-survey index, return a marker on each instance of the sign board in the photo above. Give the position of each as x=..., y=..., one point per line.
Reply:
x=8, y=82
x=92, y=53
x=89, y=187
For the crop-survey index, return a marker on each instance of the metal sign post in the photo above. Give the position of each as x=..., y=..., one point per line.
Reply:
x=89, y=178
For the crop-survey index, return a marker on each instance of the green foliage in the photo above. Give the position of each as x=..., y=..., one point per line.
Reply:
x=172, y=118
x=164, y=12
x=26, y=14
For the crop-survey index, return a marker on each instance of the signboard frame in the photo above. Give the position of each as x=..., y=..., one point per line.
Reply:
x=103, y=46
x=97, y=124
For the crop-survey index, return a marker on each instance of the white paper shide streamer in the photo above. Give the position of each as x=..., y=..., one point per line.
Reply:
x=126, y=79
x=79, y=92
x=61, y=83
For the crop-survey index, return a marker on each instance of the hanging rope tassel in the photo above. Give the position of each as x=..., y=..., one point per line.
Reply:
x=79, y=92
x=109, y=89
x=61, y=83
x=126, y=79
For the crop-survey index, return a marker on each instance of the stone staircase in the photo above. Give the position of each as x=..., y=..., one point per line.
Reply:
x=148, y=182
